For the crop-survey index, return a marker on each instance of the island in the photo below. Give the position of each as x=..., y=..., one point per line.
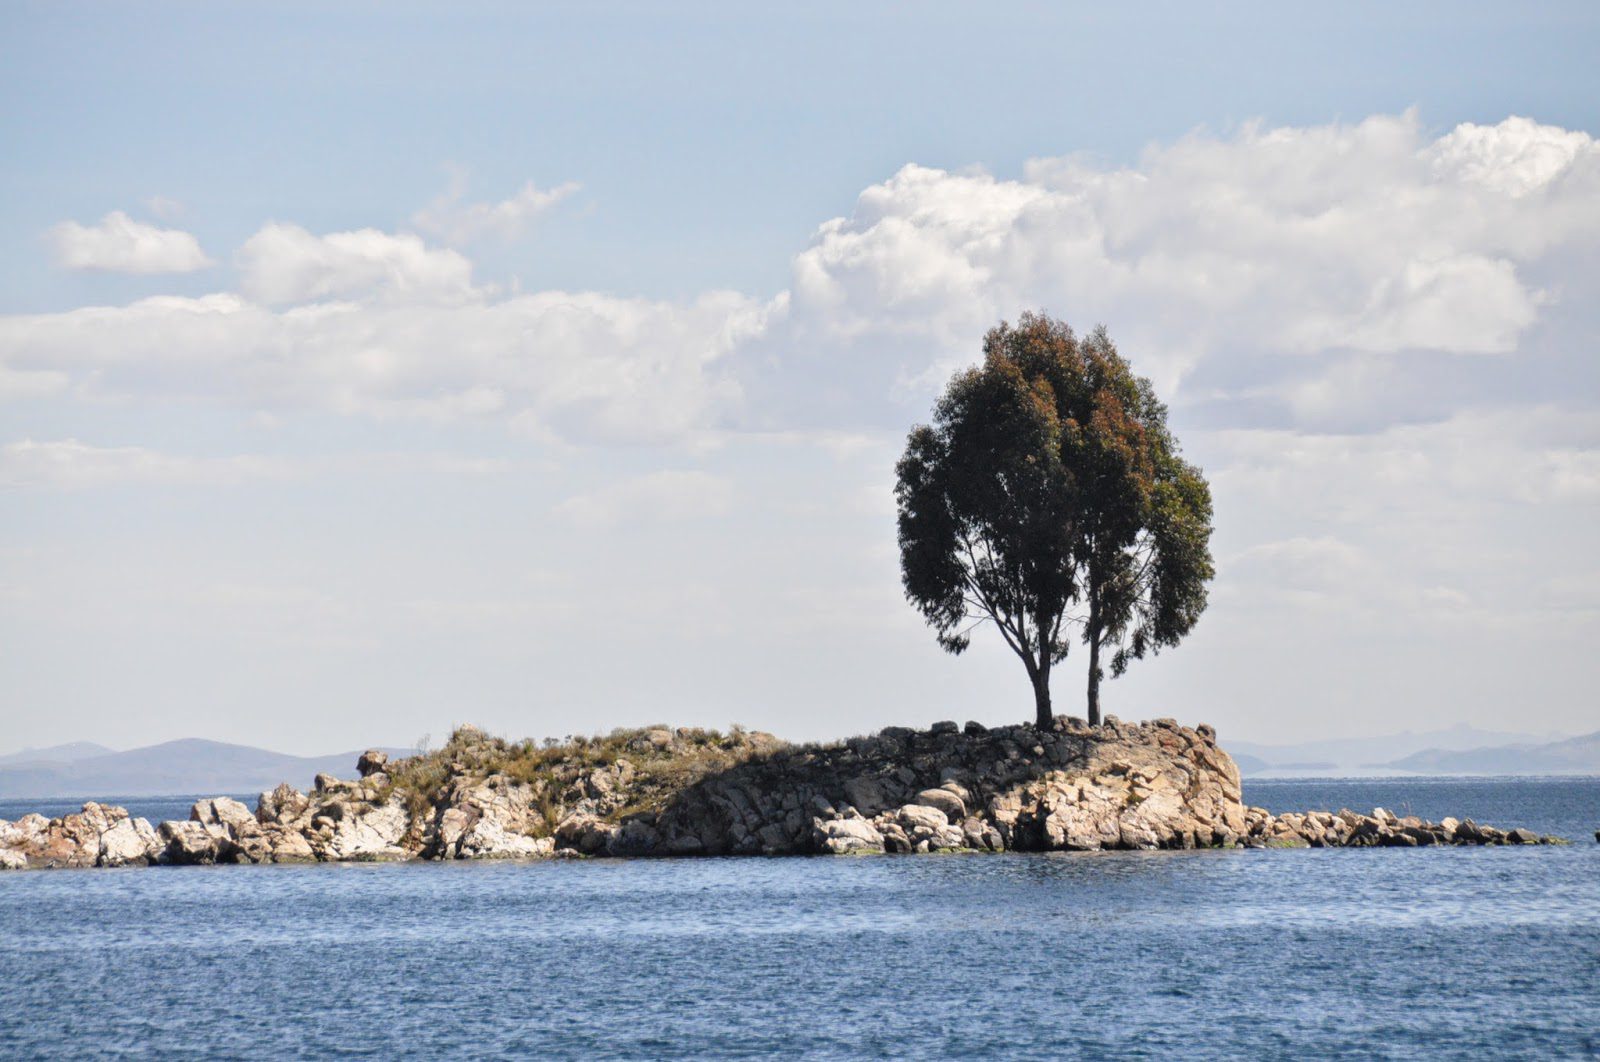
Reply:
x=661, y=791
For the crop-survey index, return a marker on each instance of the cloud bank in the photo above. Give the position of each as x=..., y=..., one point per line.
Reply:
x=1376, y=339
x=1256, y=266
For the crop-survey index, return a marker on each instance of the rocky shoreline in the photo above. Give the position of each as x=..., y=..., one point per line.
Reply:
x=683, y=792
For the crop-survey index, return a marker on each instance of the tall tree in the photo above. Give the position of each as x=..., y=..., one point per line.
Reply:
x=1048, y=493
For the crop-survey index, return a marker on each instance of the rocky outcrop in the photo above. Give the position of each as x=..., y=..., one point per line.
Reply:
x=1381, y=829
x=664, y=792
x=100, y=835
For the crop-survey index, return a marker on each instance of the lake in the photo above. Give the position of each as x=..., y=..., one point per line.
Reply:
x=1365, y=953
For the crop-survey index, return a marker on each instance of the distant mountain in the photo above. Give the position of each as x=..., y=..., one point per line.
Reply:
x=1577, y=755
x=68, y=753
x=1364, y=755
x=1249, y=764
x=56, y=754
x=191, y=765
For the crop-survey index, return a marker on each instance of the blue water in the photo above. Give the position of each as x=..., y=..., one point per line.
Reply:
x=154, y=808
x=1372, y=953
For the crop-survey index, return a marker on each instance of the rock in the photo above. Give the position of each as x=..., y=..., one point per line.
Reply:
x=289, y=847
x=584, y=833
x=866, y=795
x=367, y=834
x=222, y=811
x=1063, y=787
x=911, y=816
x=283, y=805
x=124, y=845
x=846, y=836
x=372, y=762
x=945, y=801
x=191, y=843
x=981, y=835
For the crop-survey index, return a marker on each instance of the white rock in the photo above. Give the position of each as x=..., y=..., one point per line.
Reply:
x=122, y=845
x=913, y=815
x=843, y=836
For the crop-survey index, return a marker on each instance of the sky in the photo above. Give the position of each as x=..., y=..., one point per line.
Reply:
x=370, y=369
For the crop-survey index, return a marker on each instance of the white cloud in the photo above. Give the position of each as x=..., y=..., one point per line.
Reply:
x=286, y=264
x=457, y=222
x=575, y=366
x=672, y=494
x=1270, y=243
x=119, y=244
x=1517, y=157
x=70, y=465
x=1301, y=267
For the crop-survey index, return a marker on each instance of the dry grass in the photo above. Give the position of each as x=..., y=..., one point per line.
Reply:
x=660, y=768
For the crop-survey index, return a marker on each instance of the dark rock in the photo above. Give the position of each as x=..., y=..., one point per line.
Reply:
x=371, y=762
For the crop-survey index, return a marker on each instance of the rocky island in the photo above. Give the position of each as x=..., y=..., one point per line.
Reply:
x=687, y=792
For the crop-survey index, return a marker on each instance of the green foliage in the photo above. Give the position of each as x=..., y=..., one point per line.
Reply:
x=1047, y=494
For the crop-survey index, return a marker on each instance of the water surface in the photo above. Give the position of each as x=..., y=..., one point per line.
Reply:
x=1391, y=953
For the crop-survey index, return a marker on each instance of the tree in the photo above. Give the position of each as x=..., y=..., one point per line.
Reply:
x=1048, y=494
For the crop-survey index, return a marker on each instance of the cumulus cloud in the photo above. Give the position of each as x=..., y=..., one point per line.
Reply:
x=672, y=494
x=69, y=464
x=457, y=222
x=286, y=264
x=1278, y=243
x=1324, y=274
x=119, y=244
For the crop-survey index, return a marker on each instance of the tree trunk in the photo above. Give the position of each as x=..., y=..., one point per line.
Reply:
x=1094, y=678
x=1044, y=718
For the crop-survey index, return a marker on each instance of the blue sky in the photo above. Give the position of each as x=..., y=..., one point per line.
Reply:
x=427, y=441
x=709, y=138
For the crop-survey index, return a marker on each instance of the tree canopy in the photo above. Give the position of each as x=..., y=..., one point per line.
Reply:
x=1048, y=498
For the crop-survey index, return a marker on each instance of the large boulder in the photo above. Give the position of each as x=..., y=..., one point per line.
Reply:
x=362, y=833
x=944, y=800
x=129, y=842
x=846, y=836
x=222, y=811
x=192, y=843
x=284, y=805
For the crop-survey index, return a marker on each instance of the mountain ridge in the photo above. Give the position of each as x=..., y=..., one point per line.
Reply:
x=180, y=766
